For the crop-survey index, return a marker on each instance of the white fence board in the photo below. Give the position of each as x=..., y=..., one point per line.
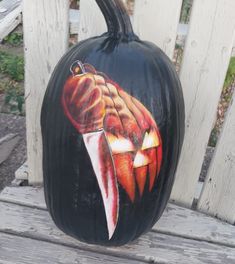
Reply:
x=46, y=39
x=218, y=196
x=92, y=22
x=206, y=58
x=157, y=21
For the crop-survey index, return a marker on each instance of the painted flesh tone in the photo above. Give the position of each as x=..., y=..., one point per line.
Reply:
x=121, y=137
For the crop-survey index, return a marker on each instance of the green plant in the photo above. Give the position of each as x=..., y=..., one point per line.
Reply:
x=225, y=100
x=14, y=97
x=230, y=74
x=12, y=66
x=14, y=39
x=186, y=10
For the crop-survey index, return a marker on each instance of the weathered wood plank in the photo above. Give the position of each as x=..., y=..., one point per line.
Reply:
x=218, y=196
x=11, y=18
x=157, y=21
x=14, y=250
x=22, y=172
x=206, y=58
x=46, y=39
x=176, y=220
x=187, y=223
x=37, y=224
x=7, y=6
x=28, y=196
x=92, y=22
x=7, y=144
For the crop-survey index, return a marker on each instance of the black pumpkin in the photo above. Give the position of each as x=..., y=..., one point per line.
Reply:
x=112, y=127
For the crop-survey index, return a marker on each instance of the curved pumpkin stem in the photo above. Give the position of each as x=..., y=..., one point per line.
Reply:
x=117, y=19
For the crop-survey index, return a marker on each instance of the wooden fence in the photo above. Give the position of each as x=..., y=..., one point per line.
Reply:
x=206, y=57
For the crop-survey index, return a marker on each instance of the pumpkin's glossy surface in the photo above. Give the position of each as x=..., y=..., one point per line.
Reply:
x=112, y=126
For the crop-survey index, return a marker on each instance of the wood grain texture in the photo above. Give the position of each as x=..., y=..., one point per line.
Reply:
x=218, y=196
x=46, y=39
x=13, y=250
x=7, y=144
x=157, y=21
x=205, y=62
x=176, y=220
x=36, y=224
x=92, y=22
x=28, y=196
x=22, y=172
x=7, y=6
x=11, y=18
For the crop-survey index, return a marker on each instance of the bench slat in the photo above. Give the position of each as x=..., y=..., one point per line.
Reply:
x=37, y=224
x=176, y=220
x=13, y=251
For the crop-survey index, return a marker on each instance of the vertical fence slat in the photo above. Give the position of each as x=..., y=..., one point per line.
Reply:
x=206, y=58
x=46, y=39
x=157, y=21
x=92, y=22
x=218, y=196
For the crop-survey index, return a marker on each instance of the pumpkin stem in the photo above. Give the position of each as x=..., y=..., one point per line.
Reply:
x=117, y=19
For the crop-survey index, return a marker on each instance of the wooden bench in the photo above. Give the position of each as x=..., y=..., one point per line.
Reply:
x=182, y=235
x=28, y=235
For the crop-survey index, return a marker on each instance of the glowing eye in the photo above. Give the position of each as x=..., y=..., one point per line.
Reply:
x=151, y=140
x=119, y=144
x=141, y=160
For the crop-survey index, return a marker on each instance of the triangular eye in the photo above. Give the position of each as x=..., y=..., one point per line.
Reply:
x=151, y=140
x=119, y=144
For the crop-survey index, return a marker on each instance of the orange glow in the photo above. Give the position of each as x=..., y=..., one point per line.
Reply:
x=125, y=174
x=119, y=144
x=77, y=70
x=151, y=140
x=141, y=159
x=141, y=175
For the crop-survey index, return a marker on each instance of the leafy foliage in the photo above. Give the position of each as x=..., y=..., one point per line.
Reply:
x=12, y=73
x=230, y=74
x=224, y=103
x=14, y=39
x=14, y=96
x=12, y=66
x=186, y=10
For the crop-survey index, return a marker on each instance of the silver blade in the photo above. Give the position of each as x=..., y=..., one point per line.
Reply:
x=103, y=166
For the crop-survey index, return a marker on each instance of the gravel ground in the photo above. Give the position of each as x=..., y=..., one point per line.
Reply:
x=12, y=124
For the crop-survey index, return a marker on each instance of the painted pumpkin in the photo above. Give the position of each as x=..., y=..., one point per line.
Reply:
x=112, y=128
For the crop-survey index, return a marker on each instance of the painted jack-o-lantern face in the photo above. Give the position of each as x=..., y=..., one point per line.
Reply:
x=121, y=137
